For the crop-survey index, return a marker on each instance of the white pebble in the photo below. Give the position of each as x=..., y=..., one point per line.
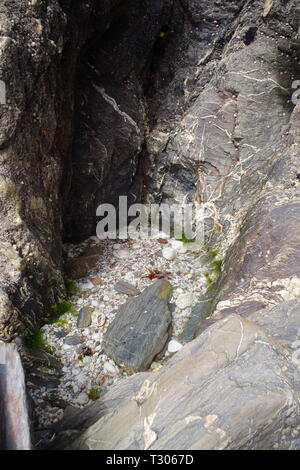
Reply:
x=86, y=285
x=81, y=379
x=296, y=357
x=178, y=246
x=122, y=254
x=117, y=246
x=110, y=369
x=185, y=301
x=129, y=277
x=82, y=399
x=295, y=344
x=169, y=253
x=174, y=346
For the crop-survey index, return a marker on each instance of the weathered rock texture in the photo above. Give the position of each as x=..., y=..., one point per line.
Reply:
x=68, y=137
x=176, y=98
x=225, y=133
x=170, y=100
x=14, y=416
x=234, y=387
x=40, y=44
x=141, y=328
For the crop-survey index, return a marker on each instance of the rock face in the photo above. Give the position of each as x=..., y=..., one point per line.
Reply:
x=14, y=416
x=234, y=387
x=112, y=77
x=162, y=93
x=40, y=45
x=172, y=101
x=141, y=328
x=56, y=166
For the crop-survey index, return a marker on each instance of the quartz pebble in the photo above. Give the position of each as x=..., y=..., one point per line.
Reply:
x=174, y=346
x=169, y=253
x=82, y=398
x=178, y=246
x=122, y=254
x=110, y=369
x=184, y=301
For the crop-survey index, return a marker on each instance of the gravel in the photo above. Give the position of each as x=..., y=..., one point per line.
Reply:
x=84, y=365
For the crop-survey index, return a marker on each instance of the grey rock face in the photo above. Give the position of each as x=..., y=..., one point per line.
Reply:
x=281, y=321
x=141, y=328
x=112, y=78
x=234, y=387
x=14, y=416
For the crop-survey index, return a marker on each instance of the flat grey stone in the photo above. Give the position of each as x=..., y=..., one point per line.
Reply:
x=60, y=334
x=140, y=329
x=126, y=288
x=85, y=316
x=73, y=340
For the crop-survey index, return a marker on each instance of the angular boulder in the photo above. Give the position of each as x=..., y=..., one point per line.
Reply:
x=141, y=328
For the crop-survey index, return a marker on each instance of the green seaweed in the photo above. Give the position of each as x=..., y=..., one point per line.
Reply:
x=217, y=265
x=93, y=394
x=71, y=287
x=212, y=254
x=185, y=240
x=36, y=340
x=60, y=322
x=65, y=307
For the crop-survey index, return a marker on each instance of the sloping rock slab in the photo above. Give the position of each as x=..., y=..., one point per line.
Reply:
x=141, y=328
x=233, y=387
x=281, y=321
x=14, y=423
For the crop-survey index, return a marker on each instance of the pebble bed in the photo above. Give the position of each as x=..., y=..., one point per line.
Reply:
x=87, y=372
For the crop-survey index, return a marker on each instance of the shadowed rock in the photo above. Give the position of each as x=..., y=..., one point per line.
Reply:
x=81, y=266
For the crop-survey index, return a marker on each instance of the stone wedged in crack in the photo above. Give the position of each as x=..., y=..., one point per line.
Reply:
x=141, y=328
